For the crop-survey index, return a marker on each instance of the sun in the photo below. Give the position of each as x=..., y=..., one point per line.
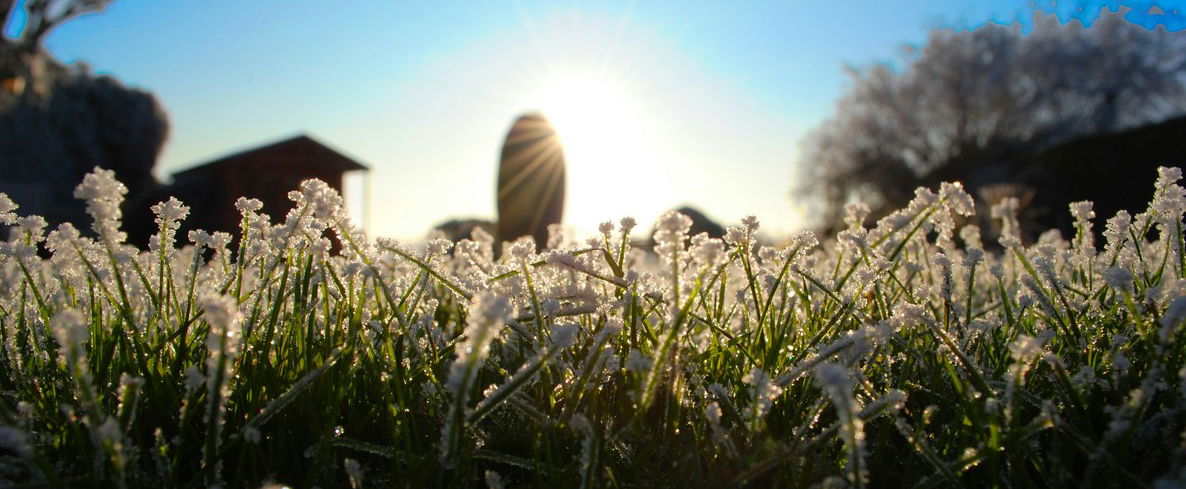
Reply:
x=591, y=115
x=608, y=138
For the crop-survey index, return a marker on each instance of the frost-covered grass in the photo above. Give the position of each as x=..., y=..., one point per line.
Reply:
x=895, y=356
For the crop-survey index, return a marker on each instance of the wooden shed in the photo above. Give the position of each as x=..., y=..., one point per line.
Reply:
x=266, y=173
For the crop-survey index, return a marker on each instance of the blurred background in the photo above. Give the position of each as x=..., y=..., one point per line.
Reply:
x=786, y=110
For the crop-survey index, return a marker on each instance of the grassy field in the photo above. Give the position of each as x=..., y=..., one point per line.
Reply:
x=897, y=355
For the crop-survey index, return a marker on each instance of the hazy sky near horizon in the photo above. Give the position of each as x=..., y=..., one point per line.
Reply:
x=711, y=99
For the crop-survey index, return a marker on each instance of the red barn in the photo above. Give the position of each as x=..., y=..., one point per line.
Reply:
x=266, y=173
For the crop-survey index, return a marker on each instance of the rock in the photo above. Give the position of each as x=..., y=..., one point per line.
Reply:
x=458, y=229
x=700, y=224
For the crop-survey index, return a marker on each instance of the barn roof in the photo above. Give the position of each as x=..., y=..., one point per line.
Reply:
x=302, y=144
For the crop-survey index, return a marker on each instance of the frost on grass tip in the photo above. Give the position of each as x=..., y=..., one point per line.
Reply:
x=806, y=360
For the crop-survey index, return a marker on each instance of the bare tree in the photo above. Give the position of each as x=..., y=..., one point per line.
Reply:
x=22, y=62
x=42, y=16
x=969, y=103
x=6, y=8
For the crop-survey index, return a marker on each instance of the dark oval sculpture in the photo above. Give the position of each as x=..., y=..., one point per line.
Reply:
x=530, y=180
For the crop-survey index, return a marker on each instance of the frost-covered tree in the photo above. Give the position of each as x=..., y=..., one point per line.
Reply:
x=969, y=104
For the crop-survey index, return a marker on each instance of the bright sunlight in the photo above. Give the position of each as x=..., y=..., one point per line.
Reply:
x=608, y=143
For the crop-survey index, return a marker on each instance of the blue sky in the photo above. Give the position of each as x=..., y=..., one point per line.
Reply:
x=718, y=94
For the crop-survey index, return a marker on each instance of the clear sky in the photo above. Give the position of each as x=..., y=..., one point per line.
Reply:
x=711, y=98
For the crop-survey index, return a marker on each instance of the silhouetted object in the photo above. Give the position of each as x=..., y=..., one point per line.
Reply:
x=700, y=224
x=52, y=136
x=972, y=104
x=1114, y=171
x=530, y=181
x=266, y=173
x=458, y=229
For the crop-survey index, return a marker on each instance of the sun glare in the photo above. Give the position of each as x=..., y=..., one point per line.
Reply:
x=588, y=113
x=608, y=143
